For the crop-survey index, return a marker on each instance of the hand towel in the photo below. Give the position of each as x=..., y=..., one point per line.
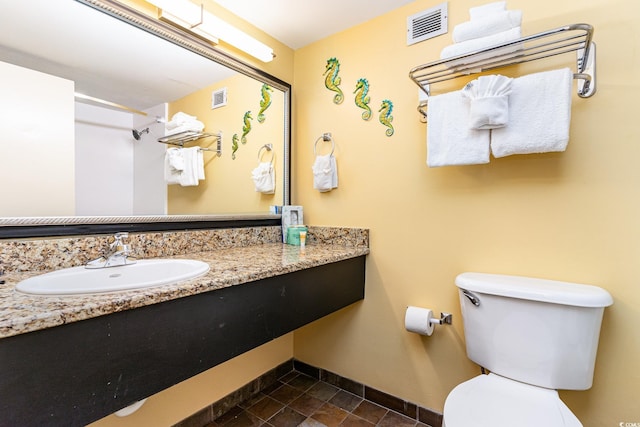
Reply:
x=539, y=115
x=449, y=139
x=488, y=9
x=190, y=175
x=200, y=165
x=483, y=43
x=325, y=173
x=171, y=173
x=488, y=26
x=264, y=178
x=488, y=101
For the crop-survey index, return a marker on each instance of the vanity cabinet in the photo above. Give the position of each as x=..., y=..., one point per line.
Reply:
x=79, y=372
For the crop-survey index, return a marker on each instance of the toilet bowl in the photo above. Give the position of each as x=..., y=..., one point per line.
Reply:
x=536, y=336
x=492, y=400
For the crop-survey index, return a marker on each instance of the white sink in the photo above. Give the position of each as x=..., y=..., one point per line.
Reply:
x=143, y=274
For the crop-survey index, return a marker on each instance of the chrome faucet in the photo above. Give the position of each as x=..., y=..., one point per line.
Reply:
x=117, y=254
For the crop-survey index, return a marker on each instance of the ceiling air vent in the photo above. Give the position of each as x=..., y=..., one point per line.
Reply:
x=427, y=24
x=219, y=98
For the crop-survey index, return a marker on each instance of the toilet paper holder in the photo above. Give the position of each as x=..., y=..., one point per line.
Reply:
x=445, y=318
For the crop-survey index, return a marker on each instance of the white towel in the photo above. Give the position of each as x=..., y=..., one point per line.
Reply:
x=449, y=139
x=489, y=101
x=488, y=9
x=483, y=43
x=264, y=178
x=191, y=173
x=172, y=158
x=539, y=115
x=195, y=126
x=325, y=173
x=179, y=119
x=488, y=26
x=200, y=165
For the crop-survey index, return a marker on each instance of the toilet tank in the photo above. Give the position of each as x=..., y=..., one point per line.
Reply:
x=540, y=332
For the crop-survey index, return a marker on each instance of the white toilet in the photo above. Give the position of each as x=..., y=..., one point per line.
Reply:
x=535, y=336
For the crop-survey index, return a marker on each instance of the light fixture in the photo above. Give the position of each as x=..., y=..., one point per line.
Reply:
x=195, y=19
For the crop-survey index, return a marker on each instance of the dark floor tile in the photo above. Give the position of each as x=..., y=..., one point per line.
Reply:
x=310, y=422
x=323, y=391
x=343, y=383
x=306, y=404
x=346, y=401
x=312, y=371
x=289, y=376
x=370, y=411
x=393, y=419
x=285, y=394
x=244, y=419
x=266, y=408
x=287, y=417
x=251, y=401
x=330, y=415
x=353, y=421
x=230, y=414
x=302, y=382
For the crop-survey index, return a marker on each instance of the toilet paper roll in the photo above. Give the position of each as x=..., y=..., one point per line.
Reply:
x=418, y=320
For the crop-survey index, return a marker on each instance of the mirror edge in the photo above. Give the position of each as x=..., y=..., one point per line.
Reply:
x=30, y=227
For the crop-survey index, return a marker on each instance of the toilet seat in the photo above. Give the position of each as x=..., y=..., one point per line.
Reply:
x=495, y=401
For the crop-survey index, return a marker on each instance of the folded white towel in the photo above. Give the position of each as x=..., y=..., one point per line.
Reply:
x=325, y=173
x=264, y=178
x=488, y=26
x=178, y=119
x=194, y=126
x=191, y=173
x=488, y=9
x=489, y=101
x=172, y=158
x=539, y=115
x=449, y=139
x=200, y=165
x=483, y=43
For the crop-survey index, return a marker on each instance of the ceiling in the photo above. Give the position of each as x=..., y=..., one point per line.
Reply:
x=297, y=23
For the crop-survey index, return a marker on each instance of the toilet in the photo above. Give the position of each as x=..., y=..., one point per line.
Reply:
x=535, y=336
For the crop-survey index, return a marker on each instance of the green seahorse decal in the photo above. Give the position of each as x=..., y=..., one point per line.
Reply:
x=362, y=99
x=246, y=128
x=332, y=81
x=234, y=145
x=385, y=116
x=265, y=102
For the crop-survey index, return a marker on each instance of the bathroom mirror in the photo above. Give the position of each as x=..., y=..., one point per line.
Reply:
x=185, y=79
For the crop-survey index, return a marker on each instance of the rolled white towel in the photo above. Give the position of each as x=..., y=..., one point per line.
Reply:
x=489, y=101
x=178, y=119
x=488, y=9
x=492, y=24
x=483, y=43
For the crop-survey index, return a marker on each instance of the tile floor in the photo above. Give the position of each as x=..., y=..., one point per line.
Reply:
x=298, y=400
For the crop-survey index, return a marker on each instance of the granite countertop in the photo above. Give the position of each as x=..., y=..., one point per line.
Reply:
x=21, y=313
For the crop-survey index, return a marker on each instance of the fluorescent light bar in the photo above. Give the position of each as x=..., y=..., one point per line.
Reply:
x=193, y=18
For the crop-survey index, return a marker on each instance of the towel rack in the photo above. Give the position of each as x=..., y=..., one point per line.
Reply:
x=570, y=38
x=182, y=138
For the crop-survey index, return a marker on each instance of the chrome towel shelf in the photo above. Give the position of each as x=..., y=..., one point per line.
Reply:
x=570, y=38
x=182, y=138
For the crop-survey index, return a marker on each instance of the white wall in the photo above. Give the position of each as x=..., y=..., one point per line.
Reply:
x=149, y=187
x=36, y=142
x=104, y=161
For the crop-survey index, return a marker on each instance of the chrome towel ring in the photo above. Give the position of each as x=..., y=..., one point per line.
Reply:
x=325, y=137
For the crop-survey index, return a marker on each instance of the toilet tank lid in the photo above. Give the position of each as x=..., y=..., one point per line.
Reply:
x=550, y=291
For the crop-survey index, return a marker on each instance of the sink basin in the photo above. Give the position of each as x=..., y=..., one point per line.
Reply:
x=143, y=274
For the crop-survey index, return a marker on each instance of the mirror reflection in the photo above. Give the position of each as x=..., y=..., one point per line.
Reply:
x=88, y=103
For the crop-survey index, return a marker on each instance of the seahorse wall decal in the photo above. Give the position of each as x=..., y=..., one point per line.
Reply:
x=385, y=116
x=265, y=102
x=234, y=145
x=246, y=128
x=362, y=99
x=332, y=81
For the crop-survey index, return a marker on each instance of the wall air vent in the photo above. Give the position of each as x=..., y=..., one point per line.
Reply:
x=427, y=24
x=219, y=98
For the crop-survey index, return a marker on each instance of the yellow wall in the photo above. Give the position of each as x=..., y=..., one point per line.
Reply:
x=228, y=186
x=570, y=216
